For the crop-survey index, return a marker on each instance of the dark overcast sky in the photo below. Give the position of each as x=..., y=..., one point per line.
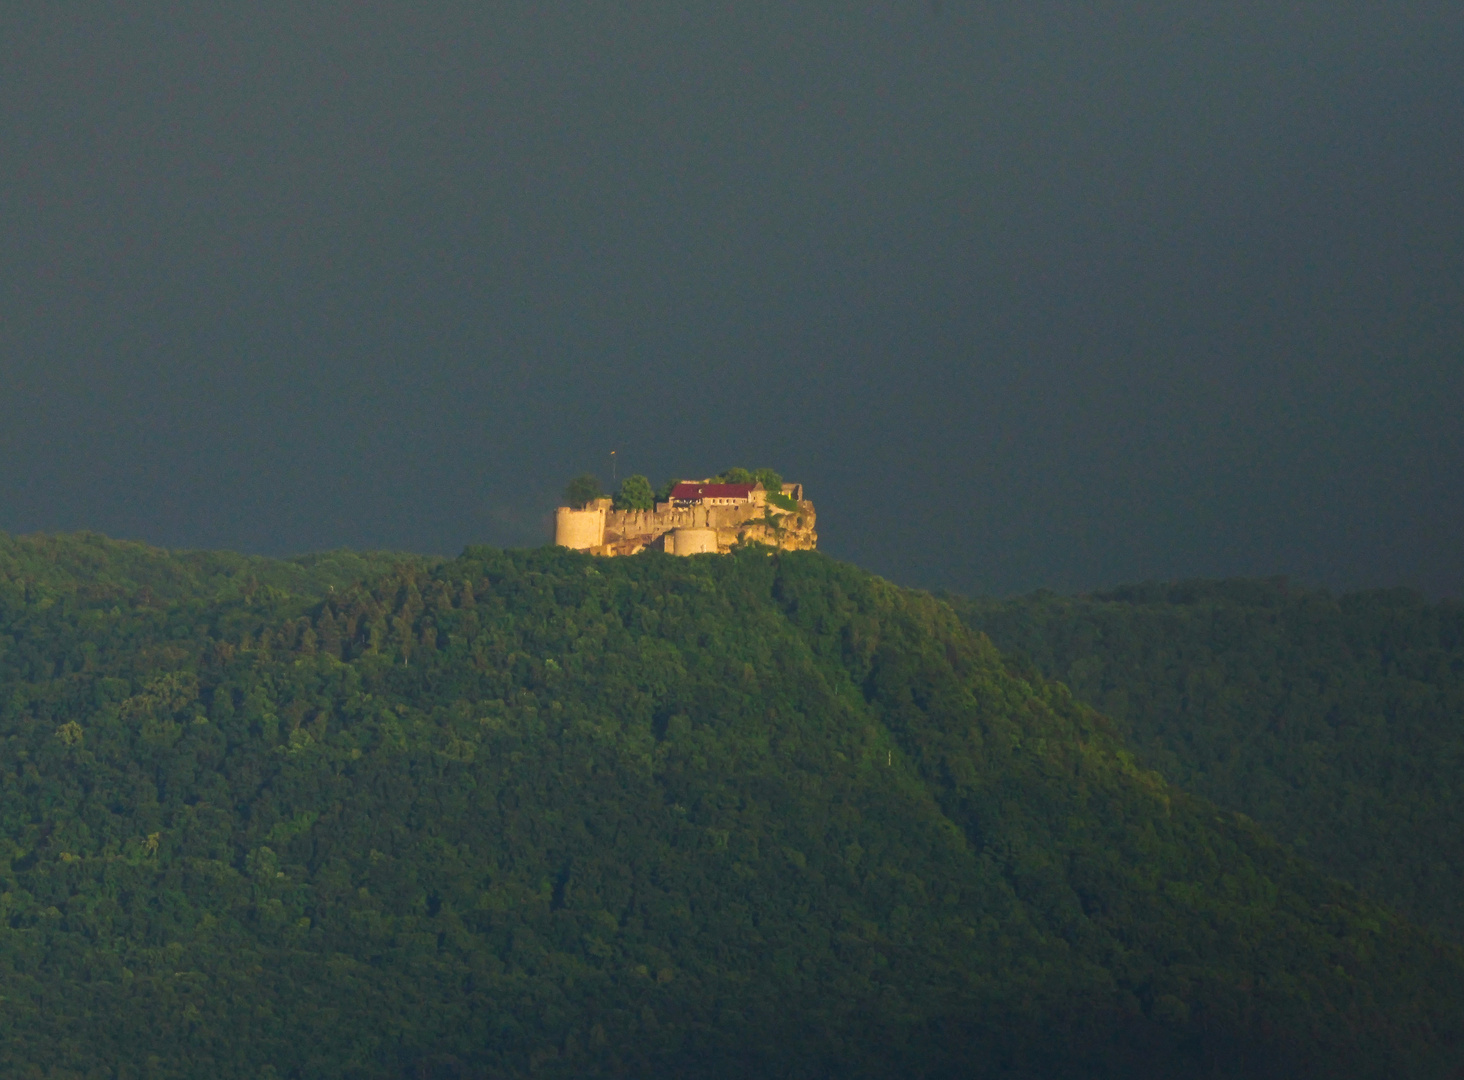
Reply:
x=1027, y=294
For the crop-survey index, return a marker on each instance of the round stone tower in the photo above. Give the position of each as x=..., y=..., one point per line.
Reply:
x=579, y=529
x=691, y=542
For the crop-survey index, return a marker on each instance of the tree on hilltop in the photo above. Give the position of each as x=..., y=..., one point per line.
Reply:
x=635, y=494
x=582, y=490
x=770, y=480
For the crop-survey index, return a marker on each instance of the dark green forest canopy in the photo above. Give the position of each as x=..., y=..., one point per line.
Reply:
x=536, y=813
x=1335, y=721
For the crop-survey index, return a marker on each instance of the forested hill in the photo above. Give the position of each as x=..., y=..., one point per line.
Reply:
x=533, y=813
x=1335, y=721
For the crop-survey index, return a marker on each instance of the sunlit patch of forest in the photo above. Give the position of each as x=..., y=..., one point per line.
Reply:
x=533, y=813
x=1337, y=722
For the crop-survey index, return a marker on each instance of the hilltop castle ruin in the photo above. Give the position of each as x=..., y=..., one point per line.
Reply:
x=700, y=517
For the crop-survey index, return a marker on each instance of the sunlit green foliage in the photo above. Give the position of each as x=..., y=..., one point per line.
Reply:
x=1337, y=722
x=533, y=813
x=635, y=494
x=782, y=502
x=768, y=478
x=584, y=488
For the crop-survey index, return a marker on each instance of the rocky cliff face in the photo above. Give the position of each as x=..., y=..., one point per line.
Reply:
x=631, y=531
x=790, y=531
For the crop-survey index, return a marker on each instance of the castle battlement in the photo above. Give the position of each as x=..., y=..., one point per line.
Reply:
x=700, y=517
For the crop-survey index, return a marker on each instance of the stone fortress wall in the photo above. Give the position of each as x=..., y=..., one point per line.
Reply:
x=688, y=530
x=580, y=529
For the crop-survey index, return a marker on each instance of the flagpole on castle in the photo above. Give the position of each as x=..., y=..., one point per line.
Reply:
x=613, y=466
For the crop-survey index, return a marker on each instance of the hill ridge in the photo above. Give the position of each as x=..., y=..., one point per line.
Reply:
x=532, y=812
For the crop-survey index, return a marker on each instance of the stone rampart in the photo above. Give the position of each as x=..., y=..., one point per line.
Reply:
x=601, y=530
x=579, y=529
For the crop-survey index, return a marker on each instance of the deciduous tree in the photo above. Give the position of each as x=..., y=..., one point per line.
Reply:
x=635, y=494
x=583, y=489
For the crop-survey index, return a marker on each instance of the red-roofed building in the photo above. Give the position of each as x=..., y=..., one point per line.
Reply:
x=689, y=493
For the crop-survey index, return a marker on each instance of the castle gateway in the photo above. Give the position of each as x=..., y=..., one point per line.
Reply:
x=699, y=517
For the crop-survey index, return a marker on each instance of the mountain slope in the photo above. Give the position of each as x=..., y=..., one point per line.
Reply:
x=1336, y=722
x=532, y=812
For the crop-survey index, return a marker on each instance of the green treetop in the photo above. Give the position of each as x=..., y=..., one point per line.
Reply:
x=635, y=494
x=582, y=490
x=769, y=479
